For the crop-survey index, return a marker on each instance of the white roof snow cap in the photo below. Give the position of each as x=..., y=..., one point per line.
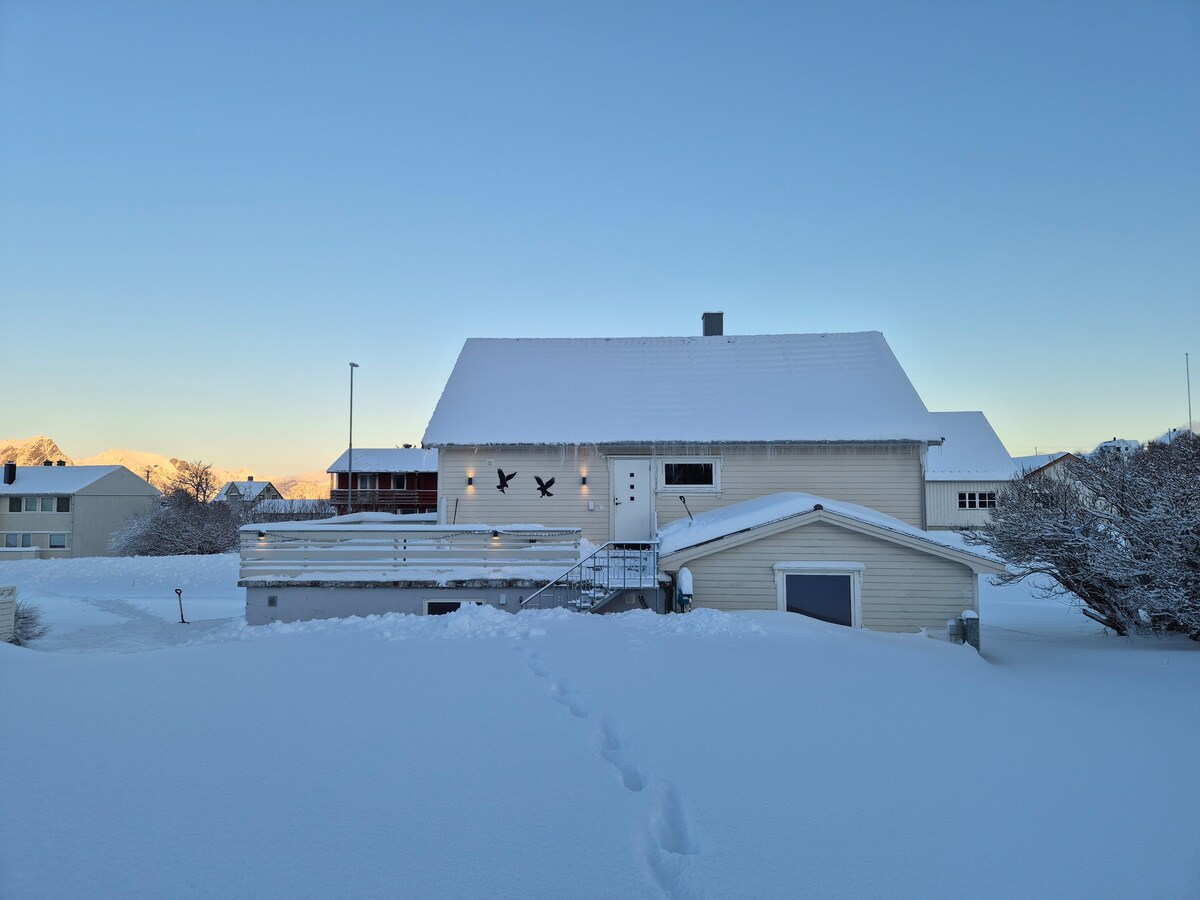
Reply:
x=738, y=517
x=724, y=388
x=387, y=459
x=55, y=479
x=972, y=450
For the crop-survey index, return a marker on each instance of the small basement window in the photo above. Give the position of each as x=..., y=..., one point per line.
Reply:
x=272, y=599
x=690, y=475
x=442, y=607
x=58, y=542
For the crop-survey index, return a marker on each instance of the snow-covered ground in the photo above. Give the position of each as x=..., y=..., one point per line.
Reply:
x=553, y=754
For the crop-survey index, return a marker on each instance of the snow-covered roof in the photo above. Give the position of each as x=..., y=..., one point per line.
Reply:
x=387, y=459
x=1169, y=436
x=1116, y=445
x=55, y=479
x=724, y=388
x=729, y=520
x=972, y=450
x=247, y=490
x=1027, y=464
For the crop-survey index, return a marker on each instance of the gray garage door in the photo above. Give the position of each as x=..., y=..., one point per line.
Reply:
x=824, y=597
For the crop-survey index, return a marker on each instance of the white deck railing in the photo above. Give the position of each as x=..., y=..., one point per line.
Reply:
x=301, y=551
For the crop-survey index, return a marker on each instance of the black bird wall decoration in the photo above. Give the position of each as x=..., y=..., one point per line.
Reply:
x=544, y=486
x=504, y=480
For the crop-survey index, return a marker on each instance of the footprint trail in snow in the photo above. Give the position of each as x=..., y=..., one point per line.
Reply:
x=667, y=847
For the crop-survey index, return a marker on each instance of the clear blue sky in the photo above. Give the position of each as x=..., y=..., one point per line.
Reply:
x=208, y=209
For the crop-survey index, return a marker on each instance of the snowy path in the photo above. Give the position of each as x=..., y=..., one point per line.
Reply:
x=666, y=844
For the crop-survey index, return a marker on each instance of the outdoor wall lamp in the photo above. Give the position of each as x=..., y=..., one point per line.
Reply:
x=470, y=480
x=583, y=481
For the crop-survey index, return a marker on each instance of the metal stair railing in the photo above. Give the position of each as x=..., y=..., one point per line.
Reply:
x=610, y=570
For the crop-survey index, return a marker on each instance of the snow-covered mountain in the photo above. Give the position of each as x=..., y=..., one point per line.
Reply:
x=31, y=451
x=157, y=468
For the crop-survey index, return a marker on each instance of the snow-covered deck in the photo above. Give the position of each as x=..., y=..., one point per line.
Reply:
x=367, y=548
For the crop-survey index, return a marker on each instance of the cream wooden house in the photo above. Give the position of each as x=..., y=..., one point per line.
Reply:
x=622, y=437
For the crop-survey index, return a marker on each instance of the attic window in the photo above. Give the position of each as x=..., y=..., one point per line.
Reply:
x=690, y=475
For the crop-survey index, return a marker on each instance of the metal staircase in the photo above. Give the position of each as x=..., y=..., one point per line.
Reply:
x=607, y=573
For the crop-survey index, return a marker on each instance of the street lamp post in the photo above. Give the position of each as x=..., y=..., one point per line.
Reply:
x=350, y=453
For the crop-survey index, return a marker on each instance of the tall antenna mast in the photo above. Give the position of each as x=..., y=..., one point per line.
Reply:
x=1187, y=365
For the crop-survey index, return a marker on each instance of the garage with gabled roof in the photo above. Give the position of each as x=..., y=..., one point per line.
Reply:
x=835, y=561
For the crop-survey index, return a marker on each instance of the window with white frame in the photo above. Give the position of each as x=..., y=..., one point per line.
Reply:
x=58, y=541
x=976, y=499
x=690, y=474
x=13, y=540
x=39, y=504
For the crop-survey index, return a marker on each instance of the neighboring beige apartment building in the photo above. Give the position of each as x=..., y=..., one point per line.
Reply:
x=66, y=511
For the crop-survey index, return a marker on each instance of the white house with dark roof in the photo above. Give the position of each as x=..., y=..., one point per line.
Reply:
x=65, y=511
x=964, y=473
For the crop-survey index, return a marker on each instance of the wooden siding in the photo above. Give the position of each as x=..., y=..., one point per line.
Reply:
x=885, y=477
x=521, y=502
x=8, y=611
x=106, y=505
x=941, y=503
x=902, y=589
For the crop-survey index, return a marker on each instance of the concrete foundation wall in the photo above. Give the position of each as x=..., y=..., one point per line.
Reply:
x=302, y=603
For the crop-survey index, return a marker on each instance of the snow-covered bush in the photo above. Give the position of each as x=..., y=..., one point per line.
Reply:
x=183, y=525
x=1121, y=531
x=27, y=624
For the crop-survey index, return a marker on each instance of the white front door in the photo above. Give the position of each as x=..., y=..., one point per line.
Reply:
x=632, y=483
